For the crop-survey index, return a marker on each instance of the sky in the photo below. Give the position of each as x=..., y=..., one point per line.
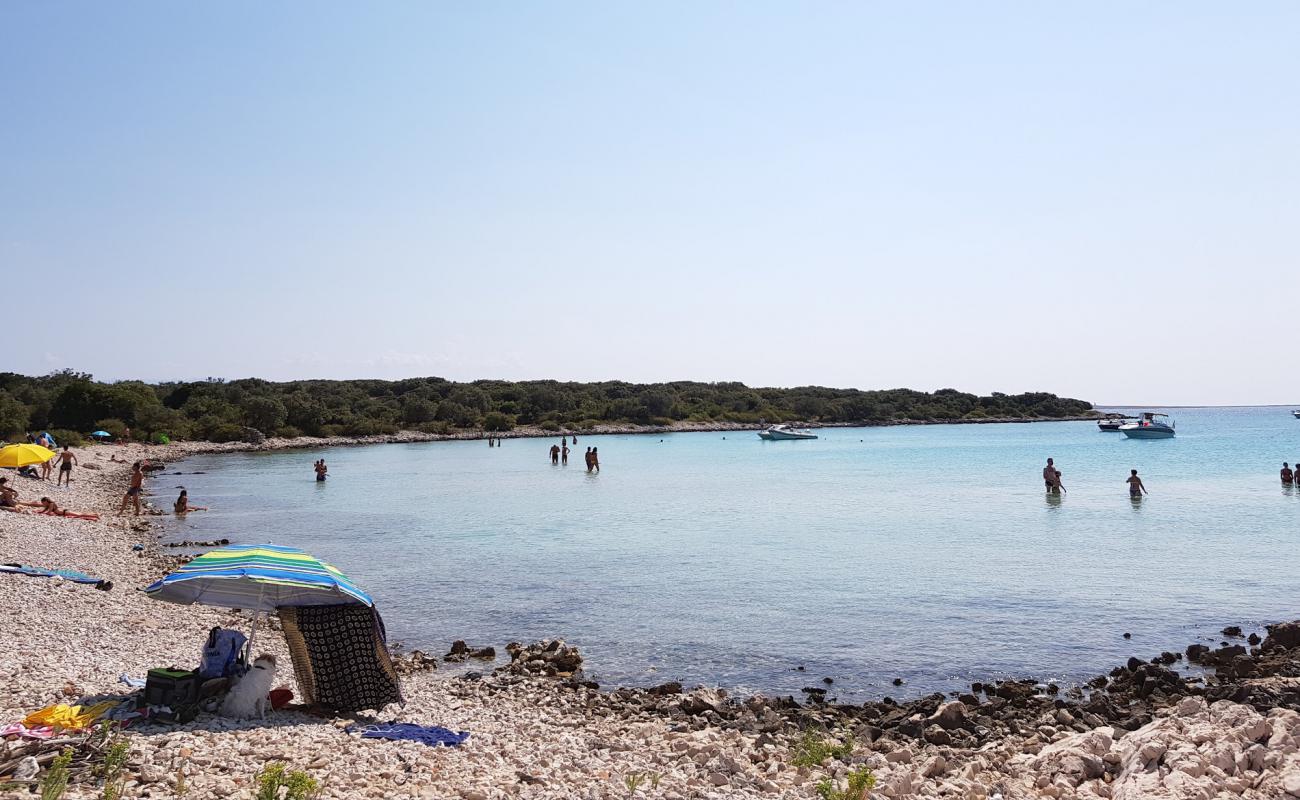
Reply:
x=1094, y=199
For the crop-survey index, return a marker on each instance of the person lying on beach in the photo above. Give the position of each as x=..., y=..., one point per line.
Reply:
x=49, y=508
x=182, y=504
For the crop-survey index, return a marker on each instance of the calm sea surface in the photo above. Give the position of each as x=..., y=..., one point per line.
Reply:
x=929, y=553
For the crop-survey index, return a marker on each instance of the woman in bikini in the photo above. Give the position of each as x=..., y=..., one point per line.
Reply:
x=49, y=508
x=182, y=504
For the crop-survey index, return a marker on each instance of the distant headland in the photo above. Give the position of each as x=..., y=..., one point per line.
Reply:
x=72, y=404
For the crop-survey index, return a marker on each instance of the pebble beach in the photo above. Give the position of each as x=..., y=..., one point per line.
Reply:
x=1147, y=730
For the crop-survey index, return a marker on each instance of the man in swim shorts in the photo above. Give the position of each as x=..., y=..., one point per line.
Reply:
x=555, y=454
x=66, y=460
x=1287, y=476
x=133, y=491
x=1135, y=487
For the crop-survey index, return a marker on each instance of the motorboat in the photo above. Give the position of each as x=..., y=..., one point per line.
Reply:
x=779, y=432
x=1113, y=422
x=1150, y=425
x=1296, y=414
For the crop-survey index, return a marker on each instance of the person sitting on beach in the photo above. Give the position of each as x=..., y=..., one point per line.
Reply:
x=49, y=508
x=29, y=472
x=555, y=454
x=1135, y=487
x=8, y=497
x=133, y=491
x=1050, y=477
x=1288, y=476
x=66, y=459
x=182, y=504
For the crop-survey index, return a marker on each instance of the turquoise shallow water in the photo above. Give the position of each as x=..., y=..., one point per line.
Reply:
x=928, y=553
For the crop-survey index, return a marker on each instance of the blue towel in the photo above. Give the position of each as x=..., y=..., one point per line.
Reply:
x=432, y=735
x=41, y=572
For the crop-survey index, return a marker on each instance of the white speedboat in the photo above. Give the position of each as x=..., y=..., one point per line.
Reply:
x=1150, y=425
x=1113, y=422
x=1296, y=414
x=778, y=432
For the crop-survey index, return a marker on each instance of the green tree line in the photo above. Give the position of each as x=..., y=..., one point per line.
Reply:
x=220, y=410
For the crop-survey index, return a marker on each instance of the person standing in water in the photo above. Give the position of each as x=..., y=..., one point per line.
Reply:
x=595, y=459
x=1288, y=476
x=321, y=470
x=1135, y=487
x=564, y=454
x=1050, y=479
x=66, y=460
x=587, y=458
x=133, y=491
x=555, y=454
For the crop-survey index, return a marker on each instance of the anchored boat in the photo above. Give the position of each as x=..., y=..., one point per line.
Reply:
x=1113, y=422
x=778, y=432
x=1150, y=425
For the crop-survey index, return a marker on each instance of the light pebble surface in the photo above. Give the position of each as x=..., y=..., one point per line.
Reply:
x=530, y=737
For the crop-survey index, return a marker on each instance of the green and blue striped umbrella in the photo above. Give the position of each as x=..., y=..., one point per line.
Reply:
x=259, y=577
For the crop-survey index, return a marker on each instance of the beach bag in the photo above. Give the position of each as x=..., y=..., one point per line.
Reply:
x=222, y=654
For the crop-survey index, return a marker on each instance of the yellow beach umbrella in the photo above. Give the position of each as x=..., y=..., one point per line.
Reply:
x=21, y=455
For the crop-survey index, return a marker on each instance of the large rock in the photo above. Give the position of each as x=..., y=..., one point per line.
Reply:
x=949, y=716
x=1285, y=635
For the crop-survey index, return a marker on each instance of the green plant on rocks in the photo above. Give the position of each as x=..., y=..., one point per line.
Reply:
x=633, y=781
x=297, y=785
x=55, y=781
x=114, y=768
x=861, y=781
x=813, y=748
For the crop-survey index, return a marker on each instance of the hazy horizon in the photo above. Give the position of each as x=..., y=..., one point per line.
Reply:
x=1092, y=200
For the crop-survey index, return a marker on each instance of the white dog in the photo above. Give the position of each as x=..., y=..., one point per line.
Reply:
x=249, y=697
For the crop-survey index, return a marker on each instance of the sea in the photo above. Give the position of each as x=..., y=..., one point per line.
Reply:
x=926, y=553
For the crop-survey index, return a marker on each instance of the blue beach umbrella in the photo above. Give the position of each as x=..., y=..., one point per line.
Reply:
x=102, y=435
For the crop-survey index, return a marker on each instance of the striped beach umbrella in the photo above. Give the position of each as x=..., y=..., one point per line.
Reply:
x=258, y=577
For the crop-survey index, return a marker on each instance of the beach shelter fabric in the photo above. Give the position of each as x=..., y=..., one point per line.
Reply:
x=262, y=577
x=101, y=434
x=340, y=657
x=22, y=455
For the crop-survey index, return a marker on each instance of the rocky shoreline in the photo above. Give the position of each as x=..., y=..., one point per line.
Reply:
x=539, y=729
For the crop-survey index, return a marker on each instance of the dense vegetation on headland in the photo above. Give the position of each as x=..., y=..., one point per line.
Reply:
x=220, y=410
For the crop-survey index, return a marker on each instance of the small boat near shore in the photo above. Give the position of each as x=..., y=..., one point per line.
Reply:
x=1151, y=425
x=1113, y=422
x=781, y=432
x=1296, y=414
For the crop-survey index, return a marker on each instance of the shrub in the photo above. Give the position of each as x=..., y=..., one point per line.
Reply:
x=861, y=781
x=438, y=428
x=114, y=426
x=55, y=780
x=331, y=430
x=812, y=749
x=496, y=421
x=226, y=432
x=549, y=425
x=297, y=784
x=288, y=432
x=70, y=438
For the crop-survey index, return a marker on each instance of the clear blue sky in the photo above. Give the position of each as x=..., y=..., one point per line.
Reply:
x=1097, y=199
